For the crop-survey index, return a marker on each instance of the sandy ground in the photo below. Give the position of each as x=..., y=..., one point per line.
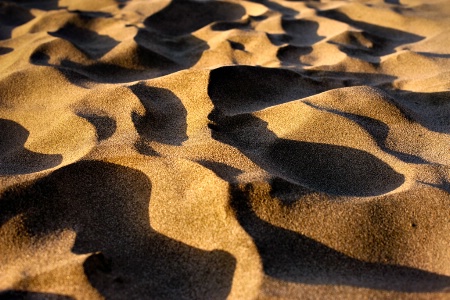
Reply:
x=208, y=149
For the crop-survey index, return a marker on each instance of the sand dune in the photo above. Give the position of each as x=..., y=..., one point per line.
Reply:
x=222, y=149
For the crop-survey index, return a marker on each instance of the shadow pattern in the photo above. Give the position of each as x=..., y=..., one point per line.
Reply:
x=104, y=125
x=152, y=53
x=229, y=89
x=336, y=170
x=12, y=15
x=378, y=130
x=88, y=41
x=165, y=117
x=182, y=17
x=382, y=40
x=290, y=256
x=5, y=50
x=15, y=158
x=25, y=295
x=40, y=4
x=128, y=259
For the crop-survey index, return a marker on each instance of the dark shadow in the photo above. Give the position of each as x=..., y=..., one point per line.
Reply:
x=444, y=185
x=81, y=74
x=89, y=42
x=224, y=171
x=431, y=110
x=113, y=73
x=289, y=256
x=363, y=45
x=25, y=295
x=5, y=50
x=122, y=3
x=287, y=192
x=236, y=45
x=165, y=117
x=86, y=15
x=40, y=58
x=167, y=34
x=434, y=55
x=39, y=4
x=362, y=54
x=259, y=18
x=336, y=79
x=12, y=15
x=336, y=170
x=301, y=32
x=74, y=75
x=142, y=146
x=392, y=2
x=237, y=89
x=290, y=55
x=377, y=129
x=245, y=89
x=224, y=26
x=357, y=40
x=383, y=40
x=279, y=39
x=153, y=54
x=104, y=125
x=15, y=158
x=107, y=205
x=285, y=11
x=183, y=17
x=179, y=51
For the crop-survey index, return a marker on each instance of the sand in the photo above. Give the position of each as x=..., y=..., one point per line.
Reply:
x=202, y=149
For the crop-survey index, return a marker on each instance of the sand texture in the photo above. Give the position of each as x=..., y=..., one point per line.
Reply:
x=224, y=149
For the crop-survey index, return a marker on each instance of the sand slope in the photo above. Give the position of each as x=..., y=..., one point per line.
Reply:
x=208, y=149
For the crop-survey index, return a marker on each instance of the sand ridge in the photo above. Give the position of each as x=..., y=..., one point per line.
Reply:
x=223, y=149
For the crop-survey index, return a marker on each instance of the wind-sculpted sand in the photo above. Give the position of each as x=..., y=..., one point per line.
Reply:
x=209, y=149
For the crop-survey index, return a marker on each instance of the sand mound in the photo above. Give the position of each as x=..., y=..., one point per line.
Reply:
x=213, y=149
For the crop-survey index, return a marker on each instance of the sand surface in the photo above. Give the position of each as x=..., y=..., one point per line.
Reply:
x=202, y=149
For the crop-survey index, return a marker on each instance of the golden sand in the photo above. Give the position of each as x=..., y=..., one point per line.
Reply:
x=223, y=149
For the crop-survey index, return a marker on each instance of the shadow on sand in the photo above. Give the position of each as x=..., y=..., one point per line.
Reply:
x=107, y=205
x=15, y=158
x=290, y=256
